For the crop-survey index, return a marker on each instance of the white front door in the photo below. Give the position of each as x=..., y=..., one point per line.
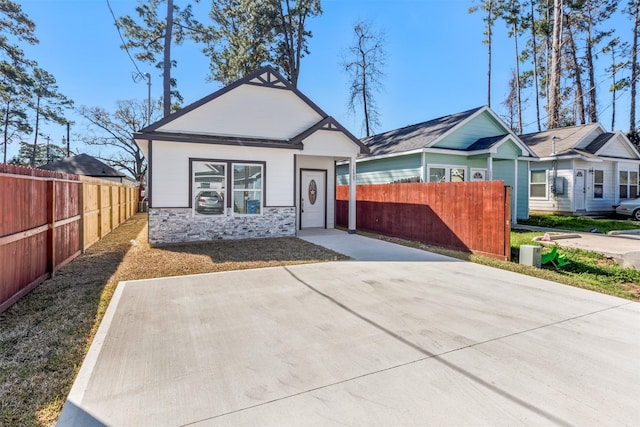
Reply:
x=313, y=200
x=580, y=192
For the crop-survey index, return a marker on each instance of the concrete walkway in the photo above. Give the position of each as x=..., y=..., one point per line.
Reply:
x=360, y=343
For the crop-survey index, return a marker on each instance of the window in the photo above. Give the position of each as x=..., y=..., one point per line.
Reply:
x=628, y=184
x=223, y=187
x=247, y=189
x=538, y=184
x=446, y=173
x=209, y=179
x=598, y=184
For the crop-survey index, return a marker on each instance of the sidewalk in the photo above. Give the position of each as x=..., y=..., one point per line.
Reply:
x=623, y=246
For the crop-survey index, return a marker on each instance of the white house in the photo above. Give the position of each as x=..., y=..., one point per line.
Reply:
x=254, y=159
x=582, y=170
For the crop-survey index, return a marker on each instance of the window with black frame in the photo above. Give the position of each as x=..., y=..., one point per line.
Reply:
x=209, y=181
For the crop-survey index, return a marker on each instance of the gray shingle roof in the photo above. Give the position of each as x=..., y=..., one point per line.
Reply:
x=416, y=136
x=566, y=138
x=83, y=164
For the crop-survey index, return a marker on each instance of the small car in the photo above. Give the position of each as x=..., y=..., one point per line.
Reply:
x=629, y=207
x=209, y=202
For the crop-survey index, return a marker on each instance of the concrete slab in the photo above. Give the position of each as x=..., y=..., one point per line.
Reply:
x=362, y=248
x=360, y=343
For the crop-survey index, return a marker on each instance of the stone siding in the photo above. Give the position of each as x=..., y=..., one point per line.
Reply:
x=177, y=225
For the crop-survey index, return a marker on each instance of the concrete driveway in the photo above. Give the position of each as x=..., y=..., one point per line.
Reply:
x=436, y=342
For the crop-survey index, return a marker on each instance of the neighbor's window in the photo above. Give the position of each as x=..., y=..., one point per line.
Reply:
x=628, y=184
x=598, y=184
x=437, y=175
x=209, y=179
x=247, y=189
x=446, y=173
x=538, y=184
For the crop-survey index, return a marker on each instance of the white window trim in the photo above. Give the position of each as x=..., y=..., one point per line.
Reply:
x=483, y=171
x=546, y=184
x=447, y=172
x=593, y=184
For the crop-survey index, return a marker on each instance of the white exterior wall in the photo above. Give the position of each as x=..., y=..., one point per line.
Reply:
x=265, y=113
x=171, y=188
x=324, y=163
x=554, y=202
x=329, y=143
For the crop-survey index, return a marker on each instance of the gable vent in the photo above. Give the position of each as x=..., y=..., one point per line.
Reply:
x=268, y=79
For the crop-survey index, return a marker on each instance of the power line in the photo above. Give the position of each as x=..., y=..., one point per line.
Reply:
x=124, y=44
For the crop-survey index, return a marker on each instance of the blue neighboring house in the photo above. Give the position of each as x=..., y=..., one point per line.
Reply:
x=473, y=145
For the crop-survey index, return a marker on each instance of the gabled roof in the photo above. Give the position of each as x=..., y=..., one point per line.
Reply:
x=599, y=142
x=417, y=136
x=590, y=141
x=486, y=143
x=567, y=138
x=84, y=164
x=266, y=77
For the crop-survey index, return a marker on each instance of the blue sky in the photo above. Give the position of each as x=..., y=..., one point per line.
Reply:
x=436, y=62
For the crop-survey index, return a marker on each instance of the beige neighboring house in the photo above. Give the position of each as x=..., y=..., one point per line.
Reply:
x=582, y=170
x=255, y=159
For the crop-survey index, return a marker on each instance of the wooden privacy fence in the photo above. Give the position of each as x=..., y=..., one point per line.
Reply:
x=48, y=218
x=468, y=216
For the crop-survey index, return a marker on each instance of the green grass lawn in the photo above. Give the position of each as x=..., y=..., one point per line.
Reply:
x=586, y=269
x=577, y=223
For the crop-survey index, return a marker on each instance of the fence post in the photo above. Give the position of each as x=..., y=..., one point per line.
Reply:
x=507, y=222
x=51, y=222
x=81, y=189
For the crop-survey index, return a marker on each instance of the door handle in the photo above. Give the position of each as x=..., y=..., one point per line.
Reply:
x=301, y=205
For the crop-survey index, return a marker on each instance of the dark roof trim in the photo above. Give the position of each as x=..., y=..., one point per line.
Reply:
x=330, y=124
x=215, y=139
x=273, y=80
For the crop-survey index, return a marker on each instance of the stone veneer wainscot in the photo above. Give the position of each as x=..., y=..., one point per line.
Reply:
x=178, y=225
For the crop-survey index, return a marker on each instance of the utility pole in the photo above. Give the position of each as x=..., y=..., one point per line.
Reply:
x=68, y=141
x=148, y=76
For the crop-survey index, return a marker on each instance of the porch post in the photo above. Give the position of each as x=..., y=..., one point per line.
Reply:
x=489, y=168
x=514, y=194
x=352, y=195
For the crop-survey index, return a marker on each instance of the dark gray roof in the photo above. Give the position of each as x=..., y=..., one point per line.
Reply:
x=484, y=143
x=83, y=164
x=599, y=142
x=416, y=136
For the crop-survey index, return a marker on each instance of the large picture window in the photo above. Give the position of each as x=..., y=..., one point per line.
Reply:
x=538, y=184
x=225, y=187
x=209, y=182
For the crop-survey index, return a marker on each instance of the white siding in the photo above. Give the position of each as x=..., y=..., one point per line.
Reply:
x=248, y=111
x=554, y=202
x=330, y=143
x=323, y=163
x=617, y=148
x=170, y=179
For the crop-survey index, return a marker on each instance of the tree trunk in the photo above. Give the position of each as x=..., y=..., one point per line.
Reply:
x=579, y=98
x=535, y=64
x=593, y=112
x=556, y=67
x=36, y=130
x=518, y=88
x=489, y=27
x=634, y=69
x=166, y=74
x=6, y=130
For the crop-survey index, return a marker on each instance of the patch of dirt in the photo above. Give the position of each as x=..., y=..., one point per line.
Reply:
x=46, y=334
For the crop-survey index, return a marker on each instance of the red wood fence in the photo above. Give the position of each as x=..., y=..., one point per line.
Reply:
x=44, y=223
x=467, y=216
